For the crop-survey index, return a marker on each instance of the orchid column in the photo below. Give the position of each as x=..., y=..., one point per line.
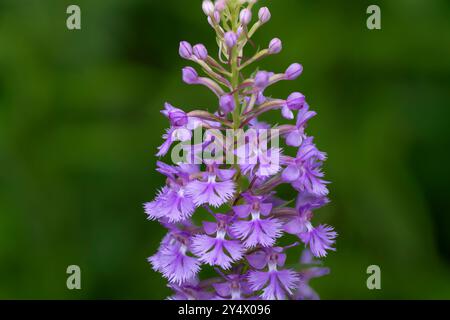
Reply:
x=240, y=239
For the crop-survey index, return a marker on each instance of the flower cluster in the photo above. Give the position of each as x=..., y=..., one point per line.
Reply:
x=243, y=219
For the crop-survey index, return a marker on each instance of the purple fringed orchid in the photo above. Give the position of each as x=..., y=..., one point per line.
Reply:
x=275, y=284
x=173, y=261
x=173, y=203
x=215, y=187
x=260, y=229
x=215, y=248
x=232, y=175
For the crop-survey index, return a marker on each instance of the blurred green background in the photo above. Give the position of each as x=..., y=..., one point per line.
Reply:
x=80, y=123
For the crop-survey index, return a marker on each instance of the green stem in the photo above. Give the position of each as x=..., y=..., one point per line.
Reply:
x=235, y=70
x=256, y=57
x=234, y=62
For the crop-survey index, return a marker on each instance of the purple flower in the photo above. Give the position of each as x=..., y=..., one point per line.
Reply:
x=171, y=136
x=217, y=250
x=177, y=117
x=306, y=203
x=295, y=101
x=180, y=129
x=257, y=157
x=320, y=239
x=214, y=189
x=189, y=290
x=262, y=79
x=257, y=230
x=304, y=171
x=235, y=177
x=172, y=202
x=172, y=260
x=276, y=284
x=235, y=287
x=304, y=290
x=295, y=136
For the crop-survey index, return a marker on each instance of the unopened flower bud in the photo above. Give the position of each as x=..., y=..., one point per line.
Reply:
x=295, y=101
x=200, y=52
x=220, y=5
x=230, y=39
x=264, y=15
x=214, y=19
x=275, y=46
x=239, y=31
x=185, y=50
x=227, y=103
x=190, y=76
x=294, y=71
x=245, y=16
x=262, y=79
x=208, y=7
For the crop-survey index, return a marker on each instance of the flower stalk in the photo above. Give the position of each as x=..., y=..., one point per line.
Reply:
x=240, y=240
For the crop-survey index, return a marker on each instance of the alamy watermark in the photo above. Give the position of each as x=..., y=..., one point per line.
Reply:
x=73, y=21
x=374, y=280
x=74, y=278
x=374, y=20
x=249, y=147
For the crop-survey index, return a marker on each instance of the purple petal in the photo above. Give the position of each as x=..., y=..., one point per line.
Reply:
x=291, y=173
x=257, y=260
x=210, y=227
x=294, y=138
x=320, y=240
x=287, y=113
x=242, y=211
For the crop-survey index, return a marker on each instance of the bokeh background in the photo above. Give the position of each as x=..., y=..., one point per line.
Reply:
x=80, y=123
